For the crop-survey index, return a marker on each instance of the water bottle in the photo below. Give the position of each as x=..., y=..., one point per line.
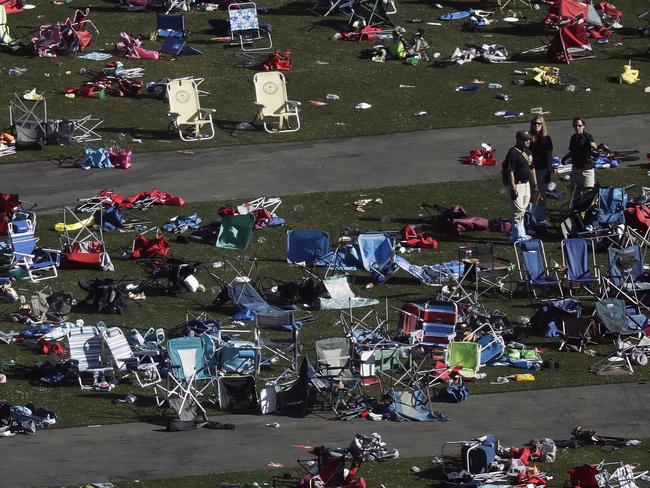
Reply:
x=495, y=86
x=362, y=105
x=418, y=114
x=16, y=71
x=243, y=258
x=273, y=425
x=503, y=96
x=83, y=71
x=332, y=96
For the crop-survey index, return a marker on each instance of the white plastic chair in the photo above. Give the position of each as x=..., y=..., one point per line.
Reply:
x=186, y=112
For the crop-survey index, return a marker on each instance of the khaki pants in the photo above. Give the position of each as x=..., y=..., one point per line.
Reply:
x=583, y=178
x=519, y=204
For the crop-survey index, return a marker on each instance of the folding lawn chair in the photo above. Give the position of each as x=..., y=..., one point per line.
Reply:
x=188, y=377
x=570, y=43
x=82, y=247
x=377, y=255
x=80, y=32
x=7, y=35
x=432, y=325
x=185, y=111
x=170, y=26
x=334, y=378
x=295, y=398
x=413, y=406
x=245, y=28
x=580, y=270
x=176, y=46
x=477, y=457
x=533, y=267
x=36, y=263
x=626, y=276
x=29, y=120
x=489, y=272
x=467, y=355
x=48, y=40
x=237, y=394
x=620, y=319
x=372, y=13
x=275, y=110
x=84, y=129
x=576, y=333
x=286, y=348
x=312, y=248
x=85, y=344
x=323, y=8
x=341, y=296
x=125, y=361
x=236, y=231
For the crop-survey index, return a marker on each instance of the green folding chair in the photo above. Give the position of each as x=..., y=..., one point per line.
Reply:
x=467, y=355
x=236, y=231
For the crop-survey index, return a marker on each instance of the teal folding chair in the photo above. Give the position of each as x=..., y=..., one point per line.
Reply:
x=236, y=231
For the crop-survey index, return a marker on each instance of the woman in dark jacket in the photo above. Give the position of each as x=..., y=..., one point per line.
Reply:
x=541, y=148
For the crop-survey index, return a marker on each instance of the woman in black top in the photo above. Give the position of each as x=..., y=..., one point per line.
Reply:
x=582, y=163
x=541, y=148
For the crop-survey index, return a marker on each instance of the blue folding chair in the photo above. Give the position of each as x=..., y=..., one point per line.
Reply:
x=311, y=247
x=413, y=406
x=377, y=255
x=610, y=207
x=580, y=270
x=533, y=267
x=39, y=264
x=170, y=26
x=176, y=46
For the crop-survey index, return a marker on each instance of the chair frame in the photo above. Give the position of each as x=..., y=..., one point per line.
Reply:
x=583, y=284
x=274, y=119
x=238, y=37
x=183, y=89
x=524, y=274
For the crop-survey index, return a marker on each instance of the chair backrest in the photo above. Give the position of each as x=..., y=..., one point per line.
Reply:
x=244, y=296
x=576, y=254
x=271, y=92
x=613, y=314
x=625, y=262
x=242, y=16
x=376, y=252
x=533, y=260
x=466, y=355
x=183, y=98
x=611, y=206
x=23, y=245
x=118, y=346
x=236, y=231
x=187, y=357
x=338, y=286
x=333, y=354
x=276, y=320
x=85, y=347
x=305, y=246
x=174, y=24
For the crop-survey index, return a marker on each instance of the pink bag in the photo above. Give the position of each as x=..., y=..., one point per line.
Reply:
x=120, y=158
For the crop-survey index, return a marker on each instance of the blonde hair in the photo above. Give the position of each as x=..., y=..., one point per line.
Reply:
x=541, y=134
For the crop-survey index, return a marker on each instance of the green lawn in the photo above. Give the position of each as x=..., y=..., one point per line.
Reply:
x=398, y=474
x=348, y=74
x=334, y=213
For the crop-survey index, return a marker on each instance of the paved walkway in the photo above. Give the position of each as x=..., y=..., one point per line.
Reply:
x=140, y=451
x=303, y=167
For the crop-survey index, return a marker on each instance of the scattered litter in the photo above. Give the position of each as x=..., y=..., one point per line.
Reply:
x=415, y=469
x=503, y=96
x=421, y=112
x=434, y=23
x=17, y=71
x=507, y=114
x=511, y=19
x=273, y=465
x=185, y=151
x=467, y=88
x=128, y=399
x=437, y=5
x=3, y=378
x=362, y=106
x=321, y=62
x=495, y=86
x=136, y=141
x=539, y=111
x=407, y=86
x=332, y=96
x=317, y=103
x=274, y=425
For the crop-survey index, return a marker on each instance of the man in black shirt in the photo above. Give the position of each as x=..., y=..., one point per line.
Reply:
x=520, y=178
x=582, y=162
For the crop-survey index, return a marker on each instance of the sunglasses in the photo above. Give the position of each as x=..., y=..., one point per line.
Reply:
x=538, y=123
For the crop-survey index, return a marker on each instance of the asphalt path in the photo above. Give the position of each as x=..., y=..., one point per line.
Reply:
x=141, y=451
x=304, y=167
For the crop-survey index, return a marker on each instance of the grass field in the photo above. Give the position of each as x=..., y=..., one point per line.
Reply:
x=348, y=74
x=332, y=212
x=398, y=474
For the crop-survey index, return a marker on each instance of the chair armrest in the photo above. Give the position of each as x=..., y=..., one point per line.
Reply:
x=259, y=105
x=173, y=114
x=208, y=110
x=293, y=104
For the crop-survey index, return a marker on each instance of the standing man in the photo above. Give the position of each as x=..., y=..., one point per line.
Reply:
x=519, y=176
